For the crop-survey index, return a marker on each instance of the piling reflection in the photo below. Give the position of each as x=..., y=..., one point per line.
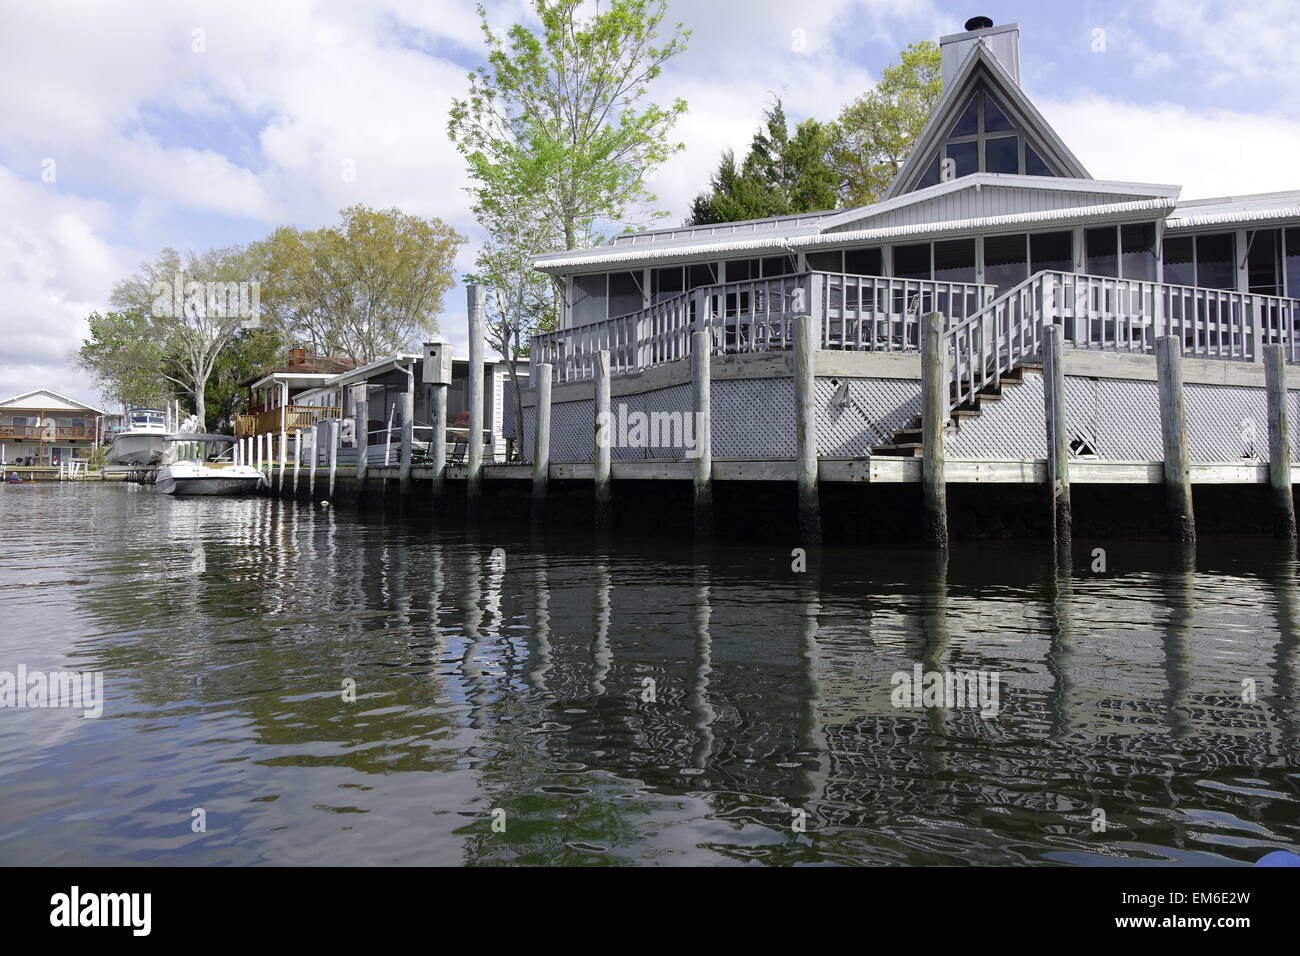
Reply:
x=658, y=701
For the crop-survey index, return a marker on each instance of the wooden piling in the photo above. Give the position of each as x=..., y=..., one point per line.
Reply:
x=701, y=402
x=1058, y=435
x=408, y=439
x=297, y=459
x=541, y=440
x=474, y=458
x=438, y=445
x=934, y=416
x=1173, y=429
x=361, y=432
x=334, y=455
x=315, y=460
x=806, y=334
x=602, y=458
x=1281, y=491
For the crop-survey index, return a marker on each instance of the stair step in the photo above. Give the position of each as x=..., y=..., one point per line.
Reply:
x=907, y=435
x=905, y=450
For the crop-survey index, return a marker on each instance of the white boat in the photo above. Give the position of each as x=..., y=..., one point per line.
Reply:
x=140, y=441
x=201, y=464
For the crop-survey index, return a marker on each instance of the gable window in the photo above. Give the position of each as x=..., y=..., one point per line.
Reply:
x=983, y=139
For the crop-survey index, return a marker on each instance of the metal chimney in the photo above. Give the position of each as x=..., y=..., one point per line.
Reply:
x=1003, y=42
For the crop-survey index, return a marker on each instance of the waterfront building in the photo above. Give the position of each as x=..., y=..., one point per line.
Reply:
x=48, y=428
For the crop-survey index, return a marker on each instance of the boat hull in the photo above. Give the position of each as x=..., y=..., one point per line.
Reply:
x=139, y=450
x=188, y=478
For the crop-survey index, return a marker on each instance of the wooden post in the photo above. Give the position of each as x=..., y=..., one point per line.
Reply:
x=438, y=444
x=315, y=460
x=1058, y=435
x=258, y=439
x=334, y=454
x=474, y=459
x=408, y=438
x=603, y=452
x=361, y=431
x=284, y=434
x=806, y=334
x=701, y=395
x=297, y=459
x=1279, y=443
x=934, y=416
x=541, y=439
x=1173, y=428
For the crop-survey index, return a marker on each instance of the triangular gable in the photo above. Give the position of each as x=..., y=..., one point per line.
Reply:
x=981, y=75
x=47, y=399
x=983, y=195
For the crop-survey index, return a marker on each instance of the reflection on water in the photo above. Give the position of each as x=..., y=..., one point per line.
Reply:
x=628, y=701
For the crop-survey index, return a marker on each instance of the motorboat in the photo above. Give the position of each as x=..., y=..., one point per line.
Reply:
x=195, y=463
x=139, y=441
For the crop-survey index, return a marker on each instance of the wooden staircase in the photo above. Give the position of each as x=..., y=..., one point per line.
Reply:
x=907, y=441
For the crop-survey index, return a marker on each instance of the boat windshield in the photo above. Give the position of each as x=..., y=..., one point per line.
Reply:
x=146, y=418
x=207, y=452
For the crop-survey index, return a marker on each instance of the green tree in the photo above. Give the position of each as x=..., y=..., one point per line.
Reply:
x=781, y=174
x=124, y=360
x=369, y=287
x=173, y=320
x=251, y=351
x=875, y=132
x=521, y=300
x=558, y=114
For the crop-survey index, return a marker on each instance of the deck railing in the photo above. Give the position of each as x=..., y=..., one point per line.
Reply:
x=295, y=416
x=1114, y=315
x=50, y=433
x=866, y=313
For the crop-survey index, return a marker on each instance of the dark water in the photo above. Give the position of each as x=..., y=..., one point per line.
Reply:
x=227, y=628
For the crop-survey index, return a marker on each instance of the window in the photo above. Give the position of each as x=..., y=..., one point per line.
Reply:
x=739, y=270
x=1180, y=261
x=1102, y=251
x=778, y=266
x=1215, y=268
x=1051, y=252
x=701, y=274
x=1138, y=251
x=965, y=158
x=1034, y=165
x=1293, y=263
x=979, y=140
x=590, y=296
x=954, y=261
x=1201, y=260
x=625, y=293
x=912, y=262
x=1264, y=261
x=863, y=262
x=665, y=283
x=1005, y=261
x=826, y=261
x=1002, y=155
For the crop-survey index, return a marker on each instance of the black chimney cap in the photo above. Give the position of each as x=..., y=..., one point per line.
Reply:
x=978, y=23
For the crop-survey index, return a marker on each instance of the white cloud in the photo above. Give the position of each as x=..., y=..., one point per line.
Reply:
x=1216, y=153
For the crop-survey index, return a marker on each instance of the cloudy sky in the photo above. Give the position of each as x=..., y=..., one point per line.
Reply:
x=123, y=131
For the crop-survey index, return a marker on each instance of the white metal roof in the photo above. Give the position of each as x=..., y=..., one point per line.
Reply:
x=1235, y=209
x=811, y=241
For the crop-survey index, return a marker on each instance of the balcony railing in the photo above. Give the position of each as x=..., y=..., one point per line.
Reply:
x=293, y=417
x=52, y=433
x=862, y=313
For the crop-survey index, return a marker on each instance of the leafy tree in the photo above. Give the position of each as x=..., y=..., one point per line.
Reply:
x=251, y=351
x=521, y=302
x=782, y=174
x=558, y=114
x=367, y=288
x=875, y=132
x=123, y=359
x=172, y=321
